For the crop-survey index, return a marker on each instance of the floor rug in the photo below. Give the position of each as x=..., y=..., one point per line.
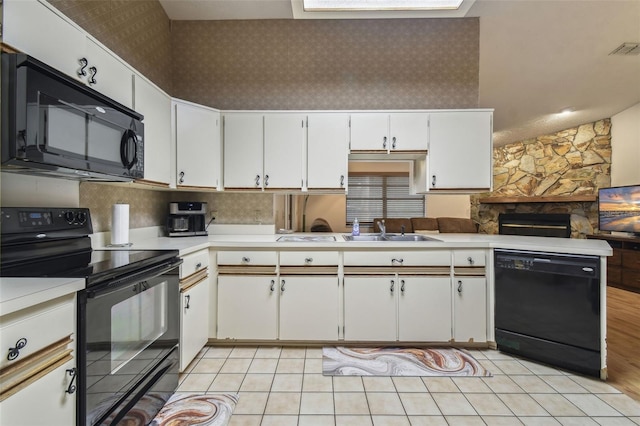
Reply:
x=436, y=362
x=196, y=409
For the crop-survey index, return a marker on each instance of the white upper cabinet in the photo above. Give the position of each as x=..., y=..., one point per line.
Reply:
x=198, y=157
x=381, y=132
x=327, y=150
x=155, y=105
x=284, y=139
x=65, y=47
x=460, y=151
x=243, y=150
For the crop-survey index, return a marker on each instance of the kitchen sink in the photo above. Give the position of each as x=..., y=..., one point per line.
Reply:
x=388, y=237
x=306, y=238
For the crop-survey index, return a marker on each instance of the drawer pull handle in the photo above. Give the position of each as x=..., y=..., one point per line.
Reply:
x=15, y=351
x=187, y=300
x=257, y=180
x=246, y=259
x=308, y=260
x=402, y=286
x=282, y=286
x=273, y=283
x=393, y=285
x=460, y=286
x=384, y=142
x=198, y=265
x=470, y=260
x=73, y=373
x=83, y=65
x=397, y=261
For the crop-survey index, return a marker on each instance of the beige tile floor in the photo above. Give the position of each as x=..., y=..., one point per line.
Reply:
x=285, y=386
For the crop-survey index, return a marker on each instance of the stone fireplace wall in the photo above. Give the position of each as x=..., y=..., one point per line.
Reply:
x=572, y=162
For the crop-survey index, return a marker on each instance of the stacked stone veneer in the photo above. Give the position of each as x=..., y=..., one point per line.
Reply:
x=572, y=162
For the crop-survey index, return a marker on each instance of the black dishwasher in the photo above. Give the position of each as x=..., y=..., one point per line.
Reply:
x=547, y=308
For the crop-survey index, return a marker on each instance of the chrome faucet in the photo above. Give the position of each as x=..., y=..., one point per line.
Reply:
x=383, y=230
x=402, y=229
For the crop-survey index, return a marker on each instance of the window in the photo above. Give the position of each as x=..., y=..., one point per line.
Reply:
x=373, y=196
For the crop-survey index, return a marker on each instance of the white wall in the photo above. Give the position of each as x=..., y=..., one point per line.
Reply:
x=30, y=191
x=625, y=147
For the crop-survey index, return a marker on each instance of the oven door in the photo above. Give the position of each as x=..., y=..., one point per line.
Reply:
x=128, y=332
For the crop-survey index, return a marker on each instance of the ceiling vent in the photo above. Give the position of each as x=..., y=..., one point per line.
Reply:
x=627, y=49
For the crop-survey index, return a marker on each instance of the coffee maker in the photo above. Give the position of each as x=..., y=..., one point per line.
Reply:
x=187, y=219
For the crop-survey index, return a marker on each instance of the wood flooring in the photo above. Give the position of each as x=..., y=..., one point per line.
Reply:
x=623, y=341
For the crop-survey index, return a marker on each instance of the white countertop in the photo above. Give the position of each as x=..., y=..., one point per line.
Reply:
x=20, y=293
x=187, y=245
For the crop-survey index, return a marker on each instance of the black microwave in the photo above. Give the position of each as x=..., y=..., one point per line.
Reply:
x=55, y=126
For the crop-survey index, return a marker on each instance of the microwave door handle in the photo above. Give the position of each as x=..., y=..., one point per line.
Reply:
x=128, y=139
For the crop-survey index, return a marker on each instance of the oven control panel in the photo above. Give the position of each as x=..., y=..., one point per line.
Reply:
x=45, y=221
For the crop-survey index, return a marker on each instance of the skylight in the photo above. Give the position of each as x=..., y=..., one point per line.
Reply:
x=371, y=5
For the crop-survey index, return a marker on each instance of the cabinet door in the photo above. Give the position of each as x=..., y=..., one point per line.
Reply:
x=370, y=308
x=327, y=151
x=155, y=105
x=108, y=74
x=197, y=145
x=409, y=131
x=453, y=133
x=470, y=309
x=424, y=312
x=243, y=137
x=309, y=307
x=194, y=318
x=284, y=139
x=370, y=132
x=33, y=28
x=247, y=307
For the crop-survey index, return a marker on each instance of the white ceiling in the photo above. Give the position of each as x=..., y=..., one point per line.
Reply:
x=536, y=56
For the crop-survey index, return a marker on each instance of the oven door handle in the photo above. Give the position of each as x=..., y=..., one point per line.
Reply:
x=133, y=278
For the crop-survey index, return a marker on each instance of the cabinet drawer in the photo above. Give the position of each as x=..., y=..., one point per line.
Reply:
x=631, y=278
x=248, y=258
x=469, y=258
x=615, y=258
x=398, y=258
x=36, y=328
x=194, y=262
x=631, y=259
x=308, y=258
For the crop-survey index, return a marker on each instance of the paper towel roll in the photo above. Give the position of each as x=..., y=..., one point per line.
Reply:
x=120, y=224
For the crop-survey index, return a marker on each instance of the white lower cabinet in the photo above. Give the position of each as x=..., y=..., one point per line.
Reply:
x=470, y=309
x=247, y=307
x=424, y=311
x=308, y=307
x=370, y=308
x=194, y=306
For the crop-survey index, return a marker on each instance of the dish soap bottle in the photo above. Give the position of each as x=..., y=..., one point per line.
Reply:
x=355, y=231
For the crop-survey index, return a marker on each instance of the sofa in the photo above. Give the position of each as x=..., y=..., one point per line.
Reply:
x=427, y=225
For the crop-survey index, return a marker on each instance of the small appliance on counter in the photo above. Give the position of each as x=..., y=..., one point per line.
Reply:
x=187, y=219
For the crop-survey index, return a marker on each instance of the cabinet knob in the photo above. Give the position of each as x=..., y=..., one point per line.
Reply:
x=266, y=180
x=393, y=286
x=273, y=283
x=384, y=142
x=246, y=259
x=83, y=66
x=308, y=260
x=393, y=143
x=402, y=286
x=181, y=180
x=15, y=351
x=257, y=180
x=341, y=180
x=460, y=286
x=282, y=286
x=470, y=260
x=198, y=265
x=433, y=180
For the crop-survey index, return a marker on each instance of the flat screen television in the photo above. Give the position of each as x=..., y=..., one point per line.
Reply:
x=619, y=209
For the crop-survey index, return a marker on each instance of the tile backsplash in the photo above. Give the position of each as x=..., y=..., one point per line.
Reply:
x=150, y=208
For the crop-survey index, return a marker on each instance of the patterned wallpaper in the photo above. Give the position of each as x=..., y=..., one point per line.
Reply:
x=327, y=64
x=138, y=31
